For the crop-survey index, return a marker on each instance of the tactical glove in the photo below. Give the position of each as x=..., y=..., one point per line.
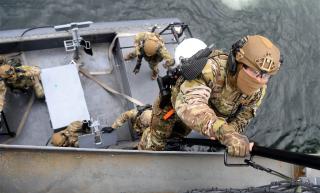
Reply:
x=237, y=144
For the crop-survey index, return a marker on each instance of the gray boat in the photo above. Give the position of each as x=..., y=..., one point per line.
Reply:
x=28, y=163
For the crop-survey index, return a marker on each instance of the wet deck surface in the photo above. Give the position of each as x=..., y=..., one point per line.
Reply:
x=101, y=104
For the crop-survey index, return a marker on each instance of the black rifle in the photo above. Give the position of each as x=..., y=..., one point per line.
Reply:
x=190, y=68
x=165, y=84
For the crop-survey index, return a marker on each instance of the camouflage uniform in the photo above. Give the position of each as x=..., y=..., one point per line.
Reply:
x=154, y=60
x=139, y=120
x=206, y=104
x=69, y=136
x=19, y=77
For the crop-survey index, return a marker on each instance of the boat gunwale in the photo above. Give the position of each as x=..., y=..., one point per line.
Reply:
x=95, y=29
x=7, y=147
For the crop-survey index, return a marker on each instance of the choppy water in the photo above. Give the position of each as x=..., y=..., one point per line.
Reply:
x=289, y=118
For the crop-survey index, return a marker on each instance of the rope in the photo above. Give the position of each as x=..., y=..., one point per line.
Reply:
x=108, y=88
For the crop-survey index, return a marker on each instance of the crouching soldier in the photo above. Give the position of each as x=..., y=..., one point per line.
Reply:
x=150, y=46
x=140, y=118
x=15, y=76
x=68, y=137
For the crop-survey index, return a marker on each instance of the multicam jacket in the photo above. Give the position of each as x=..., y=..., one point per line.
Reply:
x=208, y=102
x=162, y=53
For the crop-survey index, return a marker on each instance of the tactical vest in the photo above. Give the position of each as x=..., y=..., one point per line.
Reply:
x=227, y=101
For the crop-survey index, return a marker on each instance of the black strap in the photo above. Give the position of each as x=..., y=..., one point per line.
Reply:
x=140, y=109
x=310, y=161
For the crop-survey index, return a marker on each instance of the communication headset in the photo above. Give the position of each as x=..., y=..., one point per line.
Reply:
x=232, y=64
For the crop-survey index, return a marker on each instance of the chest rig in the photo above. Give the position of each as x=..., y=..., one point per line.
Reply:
x=225, y=99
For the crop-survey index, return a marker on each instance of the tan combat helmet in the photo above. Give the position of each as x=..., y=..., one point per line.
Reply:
x=6, y=71
x=151, y=46
x=260, y=53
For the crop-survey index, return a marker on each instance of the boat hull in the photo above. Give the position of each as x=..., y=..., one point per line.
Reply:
x=50, y=169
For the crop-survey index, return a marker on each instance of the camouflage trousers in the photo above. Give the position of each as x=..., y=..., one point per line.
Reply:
x=155, y=137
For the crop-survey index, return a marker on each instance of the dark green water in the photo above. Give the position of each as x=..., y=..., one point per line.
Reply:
x=289, y=117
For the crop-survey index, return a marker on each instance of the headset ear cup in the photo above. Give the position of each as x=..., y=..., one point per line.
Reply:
x=232, y=64
x=281, y=59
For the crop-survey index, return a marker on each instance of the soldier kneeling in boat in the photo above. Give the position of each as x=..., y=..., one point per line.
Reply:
x=68, y=137
x=150, y=46
x=16, y=76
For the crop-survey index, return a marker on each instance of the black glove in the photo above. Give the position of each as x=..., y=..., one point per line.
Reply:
x=136, y=70
x=107, y=130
